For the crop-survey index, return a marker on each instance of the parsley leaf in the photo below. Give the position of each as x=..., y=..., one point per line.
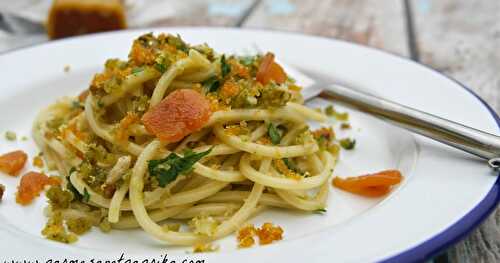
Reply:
x=224, y=67
x=86, y=195
x=161, y=63
x=76, y=105
x=137, y=70
x=320, y=211
x=273, y=133
x=347, y=143
x=212, y=84
x=178, y=43
x=247, y=60
x=160, y=67
x=70, y=187
x=100, y=104
x=291, y=165
x=167, y=169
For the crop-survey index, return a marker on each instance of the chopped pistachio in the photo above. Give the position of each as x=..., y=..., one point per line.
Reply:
x=345, y=126
x=79, y=225
x=59, y=198
x=347, y=143
x=55, y=230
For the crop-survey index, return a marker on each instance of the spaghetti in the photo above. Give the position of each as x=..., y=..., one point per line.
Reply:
x=181, y=132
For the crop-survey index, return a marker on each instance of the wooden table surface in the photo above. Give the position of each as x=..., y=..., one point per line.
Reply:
x=460, y=38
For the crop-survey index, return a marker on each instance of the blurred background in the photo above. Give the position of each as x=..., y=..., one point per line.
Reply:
x=460, y=38
x=24, y=22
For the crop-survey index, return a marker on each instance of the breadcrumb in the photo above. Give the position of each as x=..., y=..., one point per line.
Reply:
x=79, y=226
x=204, y=225
x=54, y=230
x=205, y=247
x=38, y=161
x=171, y=227
x=345, y=126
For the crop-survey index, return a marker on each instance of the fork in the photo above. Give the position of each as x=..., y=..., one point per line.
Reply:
x=465, y=138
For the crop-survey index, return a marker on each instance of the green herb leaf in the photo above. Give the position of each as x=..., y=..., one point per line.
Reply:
x=161, y=63
x=86, y=195
x=76, y=105
x=224, y=67
x=167, y=169
x=212, y=84
x=137, y=70
x=247, y=60
x=291, y=165
x=274, y=134
x=71, y=188
x=178, y=43
x=100, y=104
x=160, y=67
x=347, y=143
x=320, y=211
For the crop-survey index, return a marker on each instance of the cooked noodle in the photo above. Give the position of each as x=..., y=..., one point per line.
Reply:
x=98, y=142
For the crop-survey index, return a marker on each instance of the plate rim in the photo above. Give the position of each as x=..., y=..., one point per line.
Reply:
x=422, y=251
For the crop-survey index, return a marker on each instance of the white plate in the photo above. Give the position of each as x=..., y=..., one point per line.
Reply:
x=444, y=195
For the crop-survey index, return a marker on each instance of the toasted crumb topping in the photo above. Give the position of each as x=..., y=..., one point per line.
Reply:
x=205, y=247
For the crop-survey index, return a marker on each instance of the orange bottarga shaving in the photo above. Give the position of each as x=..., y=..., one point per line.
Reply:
x=371, y=185
x=245, y=236
x=270, y=70
x=32, y=183
x=11, y=163
x=269, y=233
x=180, y=113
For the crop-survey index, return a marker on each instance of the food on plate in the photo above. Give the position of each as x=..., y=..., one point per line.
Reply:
x=371, y=185
x=179, y=131
x=30, y=186
x=267, y=234
x=12, y=162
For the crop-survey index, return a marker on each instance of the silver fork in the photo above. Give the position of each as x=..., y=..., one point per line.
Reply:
x=468, y=139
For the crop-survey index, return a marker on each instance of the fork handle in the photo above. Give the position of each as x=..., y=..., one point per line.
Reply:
x=474, y=141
